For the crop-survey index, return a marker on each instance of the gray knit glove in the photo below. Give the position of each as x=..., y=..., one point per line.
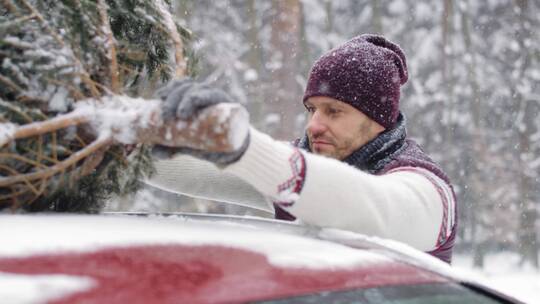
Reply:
x=184, y=99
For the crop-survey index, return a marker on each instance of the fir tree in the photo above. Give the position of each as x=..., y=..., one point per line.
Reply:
x=55, y=54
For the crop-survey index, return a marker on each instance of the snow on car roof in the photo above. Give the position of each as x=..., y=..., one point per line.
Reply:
x=22, y=288
x=405, y=252
x=26, y=235
x=195, y=260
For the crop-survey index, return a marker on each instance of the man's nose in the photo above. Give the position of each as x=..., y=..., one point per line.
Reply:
x=316, y=124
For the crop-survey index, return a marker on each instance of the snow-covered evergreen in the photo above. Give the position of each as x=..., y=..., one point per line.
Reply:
x=55, y=54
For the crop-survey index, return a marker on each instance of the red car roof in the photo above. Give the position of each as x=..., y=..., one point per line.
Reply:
x=202, y=274
x=186, y=272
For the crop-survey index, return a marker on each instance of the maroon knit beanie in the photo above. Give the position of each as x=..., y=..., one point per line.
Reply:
x=366, y=72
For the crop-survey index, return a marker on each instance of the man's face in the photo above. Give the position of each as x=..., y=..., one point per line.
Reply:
x=336, y=129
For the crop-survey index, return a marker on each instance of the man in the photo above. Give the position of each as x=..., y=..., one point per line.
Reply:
x=354, y=169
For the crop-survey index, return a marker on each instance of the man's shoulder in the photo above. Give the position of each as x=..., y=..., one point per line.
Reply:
x=412, y=155
x=413, y=149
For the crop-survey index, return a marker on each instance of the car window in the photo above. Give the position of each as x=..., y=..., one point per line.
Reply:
x=405, y=294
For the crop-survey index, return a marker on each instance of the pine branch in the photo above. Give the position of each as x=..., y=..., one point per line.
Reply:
x=22, y=159
x=91, y=85
x=9, y=5
x=17, y=110
x=76, y=93
x=110, y=45
x=17, y=21
x=44, y=127
x=62, y=166
x=14, y=87
x=53, y=177
x=170, y=25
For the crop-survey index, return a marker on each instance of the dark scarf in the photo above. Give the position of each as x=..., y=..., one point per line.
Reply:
x=376, y=154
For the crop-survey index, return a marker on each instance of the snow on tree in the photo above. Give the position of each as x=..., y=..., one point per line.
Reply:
x=70, y=126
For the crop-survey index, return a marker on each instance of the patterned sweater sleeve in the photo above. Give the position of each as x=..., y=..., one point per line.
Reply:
x=411, y=206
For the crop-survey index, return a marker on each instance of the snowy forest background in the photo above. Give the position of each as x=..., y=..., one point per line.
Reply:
x=472, y=100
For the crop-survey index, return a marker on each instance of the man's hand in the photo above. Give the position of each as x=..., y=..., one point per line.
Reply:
x=184, y=100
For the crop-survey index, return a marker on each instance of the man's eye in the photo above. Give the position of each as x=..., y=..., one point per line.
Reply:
x=333, y=111
x=310, y=109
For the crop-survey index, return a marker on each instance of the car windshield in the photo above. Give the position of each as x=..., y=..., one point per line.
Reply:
x=440, y=293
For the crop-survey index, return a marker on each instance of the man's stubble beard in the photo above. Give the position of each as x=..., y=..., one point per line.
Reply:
x=338, y=152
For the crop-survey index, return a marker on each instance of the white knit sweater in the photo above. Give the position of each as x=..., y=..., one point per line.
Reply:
x=406, y=204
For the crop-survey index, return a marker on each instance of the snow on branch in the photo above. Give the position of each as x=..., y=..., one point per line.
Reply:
x=126, y=120
x=170, y=25
x=135, y=120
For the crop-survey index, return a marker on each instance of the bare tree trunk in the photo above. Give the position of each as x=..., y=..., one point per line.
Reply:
x=286, y=92
x=305, y=60
x=447, y=78
x=480, y=149
x=255, y=61
x=255, y=52
x=526, y=128
x=479, y=154
x=376, y=18
x=329, y=16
